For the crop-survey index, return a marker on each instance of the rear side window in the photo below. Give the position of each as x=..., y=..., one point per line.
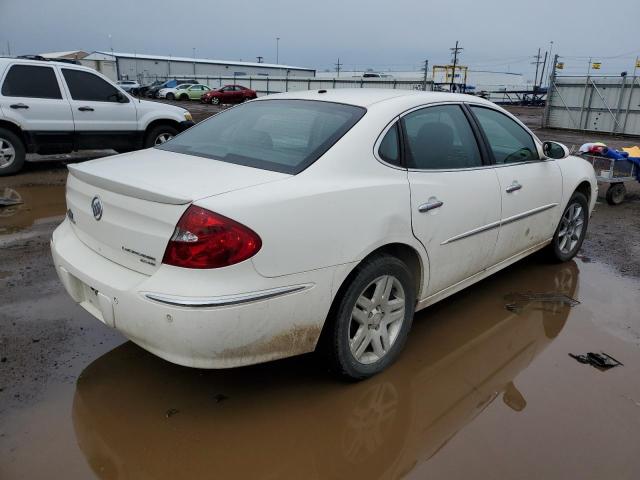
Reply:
x=89, y=87
x=389, y=150
x=509, y=142
x=279, y=135
x=440, y=137
x=31, y=81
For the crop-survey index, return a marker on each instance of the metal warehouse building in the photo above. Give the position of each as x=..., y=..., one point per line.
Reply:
x=146, y=68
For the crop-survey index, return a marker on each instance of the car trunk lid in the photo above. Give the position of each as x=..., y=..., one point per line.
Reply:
x=126, y=207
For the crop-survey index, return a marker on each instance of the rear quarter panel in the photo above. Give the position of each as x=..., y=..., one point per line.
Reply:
x=335, y=212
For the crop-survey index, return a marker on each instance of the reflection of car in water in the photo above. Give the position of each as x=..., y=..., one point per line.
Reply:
x=36, y=203
x=282, y=420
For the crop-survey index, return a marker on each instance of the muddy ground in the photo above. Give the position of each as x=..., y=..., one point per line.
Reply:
x=482, y=391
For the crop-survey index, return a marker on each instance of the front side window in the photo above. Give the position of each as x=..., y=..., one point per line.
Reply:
x=31, y=81
x=440, y=137
x=389, y=149
x=89, y=87
x=279, y=135
x=509, y=142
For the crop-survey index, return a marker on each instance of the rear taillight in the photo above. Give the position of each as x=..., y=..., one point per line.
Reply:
x=204, y=239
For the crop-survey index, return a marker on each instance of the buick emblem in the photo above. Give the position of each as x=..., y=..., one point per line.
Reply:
x=96, y=207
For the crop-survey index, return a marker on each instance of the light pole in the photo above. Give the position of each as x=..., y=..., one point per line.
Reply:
x=194, y=61
x=277, y=50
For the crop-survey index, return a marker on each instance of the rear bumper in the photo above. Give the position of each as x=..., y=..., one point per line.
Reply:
x=234, y=316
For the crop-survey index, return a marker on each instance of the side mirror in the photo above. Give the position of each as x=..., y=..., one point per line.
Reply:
x=555, y=150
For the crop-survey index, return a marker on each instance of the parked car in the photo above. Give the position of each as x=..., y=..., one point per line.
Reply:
x=143, y=91
x=128, y=85
x=318, y=219
x=52, y=107
x=229, y=94
x=153, y=92
x=173, y=92
x=192, y=92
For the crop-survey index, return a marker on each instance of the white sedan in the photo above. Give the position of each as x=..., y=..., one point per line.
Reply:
x=313, y=220
x=171, y=93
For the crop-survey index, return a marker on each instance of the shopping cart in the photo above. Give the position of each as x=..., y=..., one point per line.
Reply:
x=615, y=173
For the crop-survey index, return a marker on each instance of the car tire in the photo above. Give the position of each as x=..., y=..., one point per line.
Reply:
x=615, y=193
x=572, y=229
x=158, y=135
x=215, y=101
x=12, y=152
x=354, y=344
x=170, y=96
x=184, y=97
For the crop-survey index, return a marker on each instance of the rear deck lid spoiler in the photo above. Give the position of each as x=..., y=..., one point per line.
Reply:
x=140, y=190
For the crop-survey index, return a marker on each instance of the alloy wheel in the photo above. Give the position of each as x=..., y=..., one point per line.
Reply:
x=376, y=319
x=571, y=227
x=163, y=137
x=7, y=153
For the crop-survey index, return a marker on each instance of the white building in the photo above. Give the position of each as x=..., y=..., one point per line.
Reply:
x=147, y=68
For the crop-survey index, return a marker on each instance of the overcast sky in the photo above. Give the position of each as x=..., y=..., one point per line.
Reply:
x=496, y=35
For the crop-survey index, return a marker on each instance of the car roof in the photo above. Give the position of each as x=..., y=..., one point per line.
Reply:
x=29, y=61
x=365, y=97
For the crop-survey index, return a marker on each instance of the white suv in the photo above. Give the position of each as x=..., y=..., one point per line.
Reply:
x=51, y=107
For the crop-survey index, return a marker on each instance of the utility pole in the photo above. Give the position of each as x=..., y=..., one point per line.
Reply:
x=259, y=58
x=424, y=80
x=338, y=67
x=544, y=65
x=277, y=50
x=194, y=61
x=537, y=64
x=455, y=50
x=589, y=67
x=8, y=48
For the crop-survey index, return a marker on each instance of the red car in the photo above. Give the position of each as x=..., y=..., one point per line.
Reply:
x=229, y=94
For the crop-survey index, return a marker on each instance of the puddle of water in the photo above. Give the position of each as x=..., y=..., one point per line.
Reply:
x=39, y=202
x=480, y=391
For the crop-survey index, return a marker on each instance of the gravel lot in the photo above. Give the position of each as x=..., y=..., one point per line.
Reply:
x=482, y=391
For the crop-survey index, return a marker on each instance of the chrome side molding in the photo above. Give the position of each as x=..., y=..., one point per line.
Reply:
x=499, y=223
x=224, y=300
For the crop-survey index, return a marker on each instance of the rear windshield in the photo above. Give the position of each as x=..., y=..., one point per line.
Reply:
x=279, y=135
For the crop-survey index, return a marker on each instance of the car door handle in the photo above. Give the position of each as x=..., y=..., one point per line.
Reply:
x=513, y=187
x=16, y=106
x=85, y=109
x=430, y=205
